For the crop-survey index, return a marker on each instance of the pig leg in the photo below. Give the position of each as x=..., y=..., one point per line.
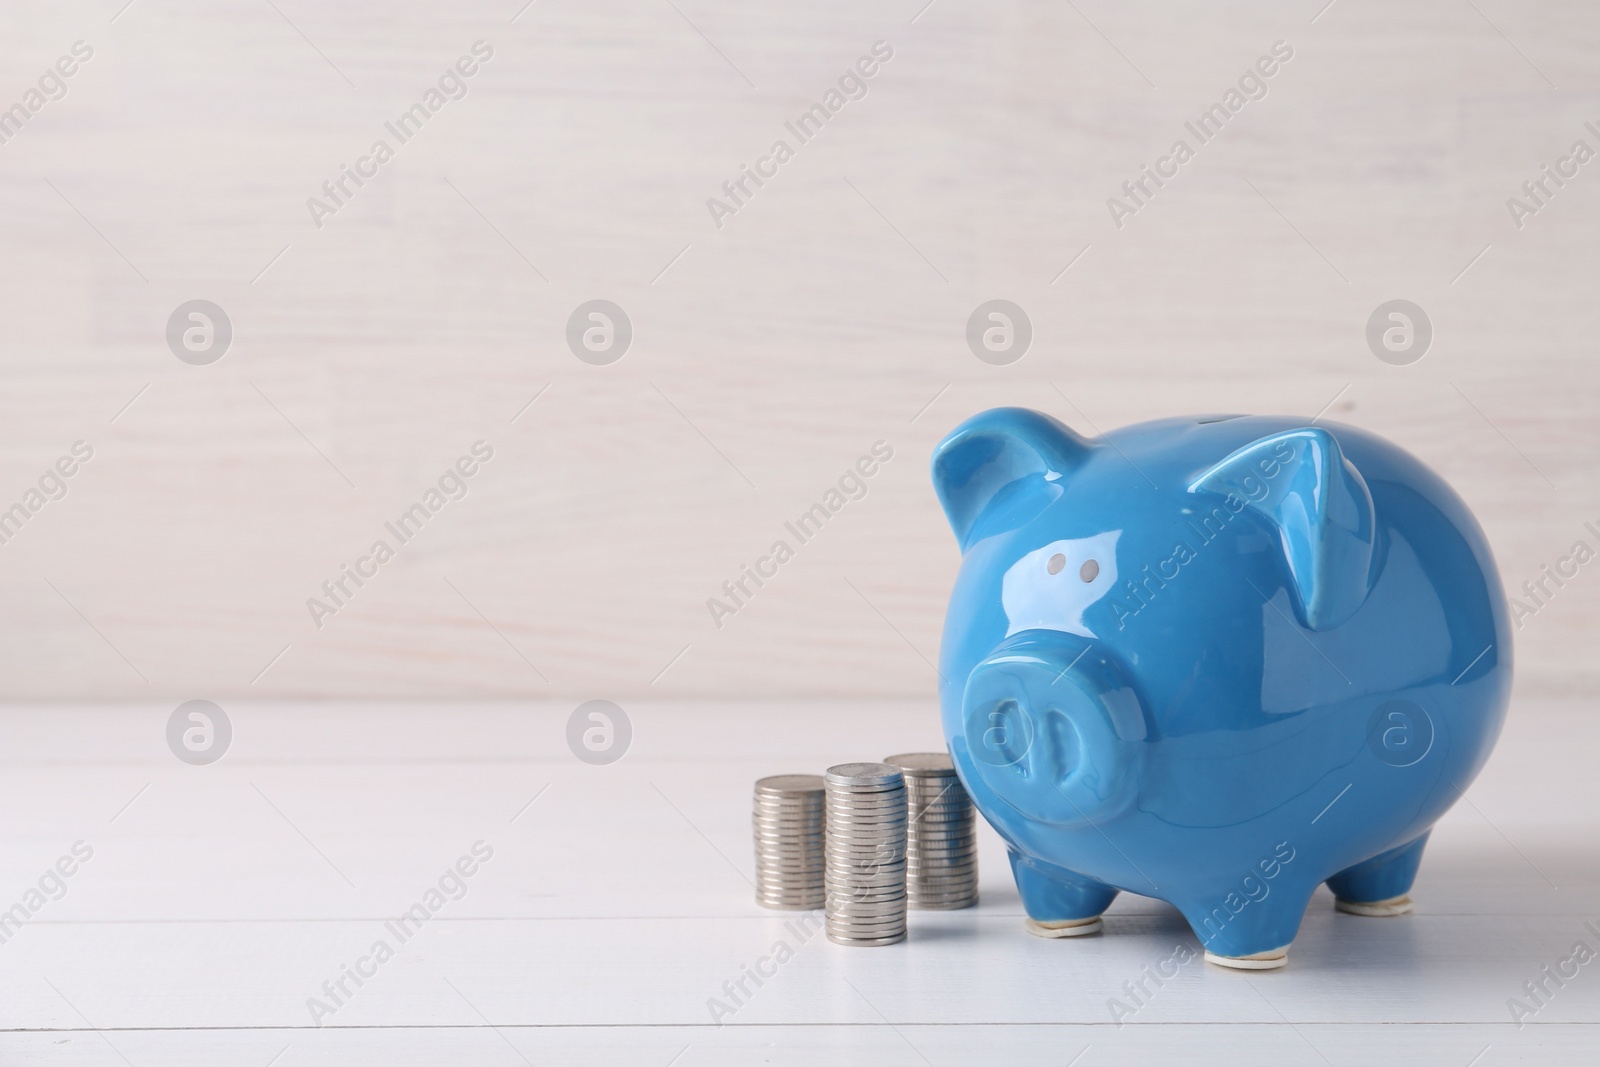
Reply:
x=1059, y=903
x=1382, y=885
x=1249, y=933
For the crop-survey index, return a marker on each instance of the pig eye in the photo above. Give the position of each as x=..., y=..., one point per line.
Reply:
x=1089, y=571
x=1057, y=561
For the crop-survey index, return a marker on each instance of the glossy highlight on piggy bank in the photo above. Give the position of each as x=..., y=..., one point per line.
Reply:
x=1217, y=661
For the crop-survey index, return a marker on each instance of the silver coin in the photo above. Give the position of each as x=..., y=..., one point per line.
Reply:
x=843, y=902
x=864, y=942
x=857, y=932
x=862, y=774
x=920, y=891
x=788, y=865
x=940, y=835
x=867, y=802
x=790, y=862
x=922, y=763
x=798, y=819
x=885, y=880
x=941, y=865
x=868, y=926
x=808, y=840
x=865, y=894
x=889, y=913
x=862, y=883
x=790, y=877
x=790, y=783
x=865, y=866
x=813, y=851
x=941, y=854
x=931, y=886
x=943, y=807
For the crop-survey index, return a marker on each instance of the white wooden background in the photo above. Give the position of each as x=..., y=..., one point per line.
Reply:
x=768, y=354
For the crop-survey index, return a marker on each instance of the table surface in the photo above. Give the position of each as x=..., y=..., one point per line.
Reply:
x=616, y=903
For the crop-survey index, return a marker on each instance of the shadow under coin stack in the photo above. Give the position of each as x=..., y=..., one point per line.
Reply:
x=787, y=820
x=942, y=834
x=866, y=849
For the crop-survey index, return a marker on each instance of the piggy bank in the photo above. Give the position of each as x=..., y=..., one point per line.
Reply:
x=1217, y=661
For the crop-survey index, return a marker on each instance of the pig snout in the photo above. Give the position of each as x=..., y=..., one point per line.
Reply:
x=1055, y=728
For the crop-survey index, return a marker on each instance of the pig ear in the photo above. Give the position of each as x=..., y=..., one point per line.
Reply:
x=1300, y=482
x=1002, y=463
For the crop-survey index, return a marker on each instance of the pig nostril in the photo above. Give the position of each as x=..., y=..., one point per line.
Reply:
x=1057, y=561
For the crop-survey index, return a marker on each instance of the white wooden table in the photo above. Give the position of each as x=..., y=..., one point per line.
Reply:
x=218, y=899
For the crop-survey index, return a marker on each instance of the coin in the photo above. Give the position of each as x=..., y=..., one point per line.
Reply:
x=941, y=833
x=788, y=831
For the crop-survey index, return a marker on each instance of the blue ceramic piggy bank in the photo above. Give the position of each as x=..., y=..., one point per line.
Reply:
x=1217, y=661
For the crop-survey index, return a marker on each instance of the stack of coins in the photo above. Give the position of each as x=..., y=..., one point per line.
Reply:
x=942, y=835
x=787, y=819
x=866, y=849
